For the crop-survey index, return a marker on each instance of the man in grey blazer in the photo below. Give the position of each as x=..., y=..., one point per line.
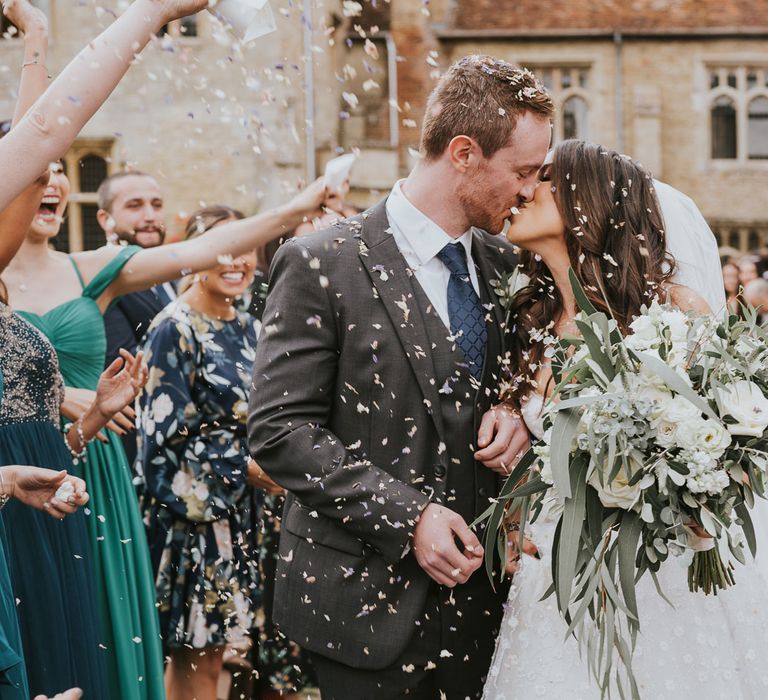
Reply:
x=374, y=402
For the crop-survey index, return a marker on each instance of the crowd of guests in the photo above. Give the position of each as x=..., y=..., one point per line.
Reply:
x=124, y=380
x=745, y=278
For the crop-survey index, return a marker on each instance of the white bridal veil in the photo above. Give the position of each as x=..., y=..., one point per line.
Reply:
x=693, y=244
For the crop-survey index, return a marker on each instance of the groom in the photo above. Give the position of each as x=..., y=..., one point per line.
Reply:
x=378, y=364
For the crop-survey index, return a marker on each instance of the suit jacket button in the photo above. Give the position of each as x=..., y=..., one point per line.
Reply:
x=439, y=471
x=482, y=492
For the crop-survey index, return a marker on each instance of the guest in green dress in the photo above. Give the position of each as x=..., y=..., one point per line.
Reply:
x=36, y=487
x=192, y=452
x=56, y=597
x=66, y=297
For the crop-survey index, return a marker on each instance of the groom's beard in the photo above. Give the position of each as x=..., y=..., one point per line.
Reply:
x=481, y=210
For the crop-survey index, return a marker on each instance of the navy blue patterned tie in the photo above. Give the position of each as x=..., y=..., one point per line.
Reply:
x=465, y=312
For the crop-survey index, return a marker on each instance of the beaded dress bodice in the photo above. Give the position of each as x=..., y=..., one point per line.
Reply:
x=31, y=388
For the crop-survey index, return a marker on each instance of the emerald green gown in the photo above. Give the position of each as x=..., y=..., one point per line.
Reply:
x=121, y=558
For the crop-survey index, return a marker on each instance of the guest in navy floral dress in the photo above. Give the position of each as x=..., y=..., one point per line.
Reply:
x=198, y=505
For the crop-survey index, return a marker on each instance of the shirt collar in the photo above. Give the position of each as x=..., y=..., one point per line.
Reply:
x=424, y=236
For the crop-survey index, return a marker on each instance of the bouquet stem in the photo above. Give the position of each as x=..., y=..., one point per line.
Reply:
x=708, y=573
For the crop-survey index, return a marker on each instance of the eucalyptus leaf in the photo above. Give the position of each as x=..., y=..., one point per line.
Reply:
x=673, y=380
x=570, y=535
x=564, y=430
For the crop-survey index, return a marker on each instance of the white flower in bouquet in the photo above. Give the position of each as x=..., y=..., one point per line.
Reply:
x=705, y=476
x=745, y=402
x=645, y=334
x=706, y=436
x=677, y=323
x=674, y=416
x=617, y=493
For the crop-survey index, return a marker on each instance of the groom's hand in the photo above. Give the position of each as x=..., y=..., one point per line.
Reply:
x=434, y=546
x=503, y=439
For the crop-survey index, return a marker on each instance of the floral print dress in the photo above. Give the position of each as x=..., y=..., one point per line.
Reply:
x=192, y=455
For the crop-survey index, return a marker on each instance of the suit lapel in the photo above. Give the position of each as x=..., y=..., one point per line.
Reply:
x=492, y=260
x=393, y=282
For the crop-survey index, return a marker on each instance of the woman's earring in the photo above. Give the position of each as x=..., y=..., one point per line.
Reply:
x=553, y=188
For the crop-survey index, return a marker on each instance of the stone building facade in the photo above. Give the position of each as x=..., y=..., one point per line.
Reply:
x=216, y=122
x=682, y=85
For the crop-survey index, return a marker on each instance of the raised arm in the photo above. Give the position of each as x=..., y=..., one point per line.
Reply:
x=52, y=124
x=16, y=218
x=152, y=266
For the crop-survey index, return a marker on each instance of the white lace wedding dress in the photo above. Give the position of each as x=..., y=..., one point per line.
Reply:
x=705, y=648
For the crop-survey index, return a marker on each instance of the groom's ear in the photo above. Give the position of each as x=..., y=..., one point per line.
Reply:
x=462, y=152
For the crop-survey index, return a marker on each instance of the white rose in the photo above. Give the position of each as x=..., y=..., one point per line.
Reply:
x=707, y=436
x=618, y=493
x=674, y=417
x=677, y=322
x=658, y=396
x=746, y=403
x=161, y=408
x=644, y=333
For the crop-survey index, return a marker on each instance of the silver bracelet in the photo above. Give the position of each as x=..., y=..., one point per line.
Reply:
x=77, y=456
x=4, y=497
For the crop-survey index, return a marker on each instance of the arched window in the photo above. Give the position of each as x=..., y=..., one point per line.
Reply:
x=93, y=171
x=575, y=116
x=87, y=164
x=723, y=116
x=757, y=129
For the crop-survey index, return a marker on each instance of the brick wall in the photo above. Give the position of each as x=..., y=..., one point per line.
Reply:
x=625, y=15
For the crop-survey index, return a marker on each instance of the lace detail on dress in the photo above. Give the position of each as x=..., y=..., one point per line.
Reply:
x=32, y=386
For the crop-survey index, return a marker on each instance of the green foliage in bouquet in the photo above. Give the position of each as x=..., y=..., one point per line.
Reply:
x=655, y=445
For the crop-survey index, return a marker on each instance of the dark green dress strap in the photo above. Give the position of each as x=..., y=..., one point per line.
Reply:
x=109, y=272
x=77, y=271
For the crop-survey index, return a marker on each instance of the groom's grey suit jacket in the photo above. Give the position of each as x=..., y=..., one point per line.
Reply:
x=347, y=415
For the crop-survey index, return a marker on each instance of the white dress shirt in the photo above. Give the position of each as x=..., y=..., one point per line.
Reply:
x=420, y=240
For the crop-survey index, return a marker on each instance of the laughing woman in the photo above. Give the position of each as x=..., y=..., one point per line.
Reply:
x=65, y=296
x=197, y=504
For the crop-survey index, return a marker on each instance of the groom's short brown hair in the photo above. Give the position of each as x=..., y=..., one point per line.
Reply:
x=481, y=97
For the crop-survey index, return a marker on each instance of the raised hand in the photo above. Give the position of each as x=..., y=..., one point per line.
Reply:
x=309, y=201
x=121, y=383
x=26, y=16
x=174, y=9
x=57, y=493
x=435, y=549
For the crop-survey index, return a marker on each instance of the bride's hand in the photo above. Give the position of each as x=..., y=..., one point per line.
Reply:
x=513, y=553
x=503, y=439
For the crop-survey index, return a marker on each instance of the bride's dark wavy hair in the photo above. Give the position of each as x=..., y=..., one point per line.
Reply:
x=614, y=233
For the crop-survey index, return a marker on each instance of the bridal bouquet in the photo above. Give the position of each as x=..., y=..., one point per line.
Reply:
x=656, y=446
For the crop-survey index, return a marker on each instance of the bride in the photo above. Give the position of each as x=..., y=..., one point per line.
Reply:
x=596, y=211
